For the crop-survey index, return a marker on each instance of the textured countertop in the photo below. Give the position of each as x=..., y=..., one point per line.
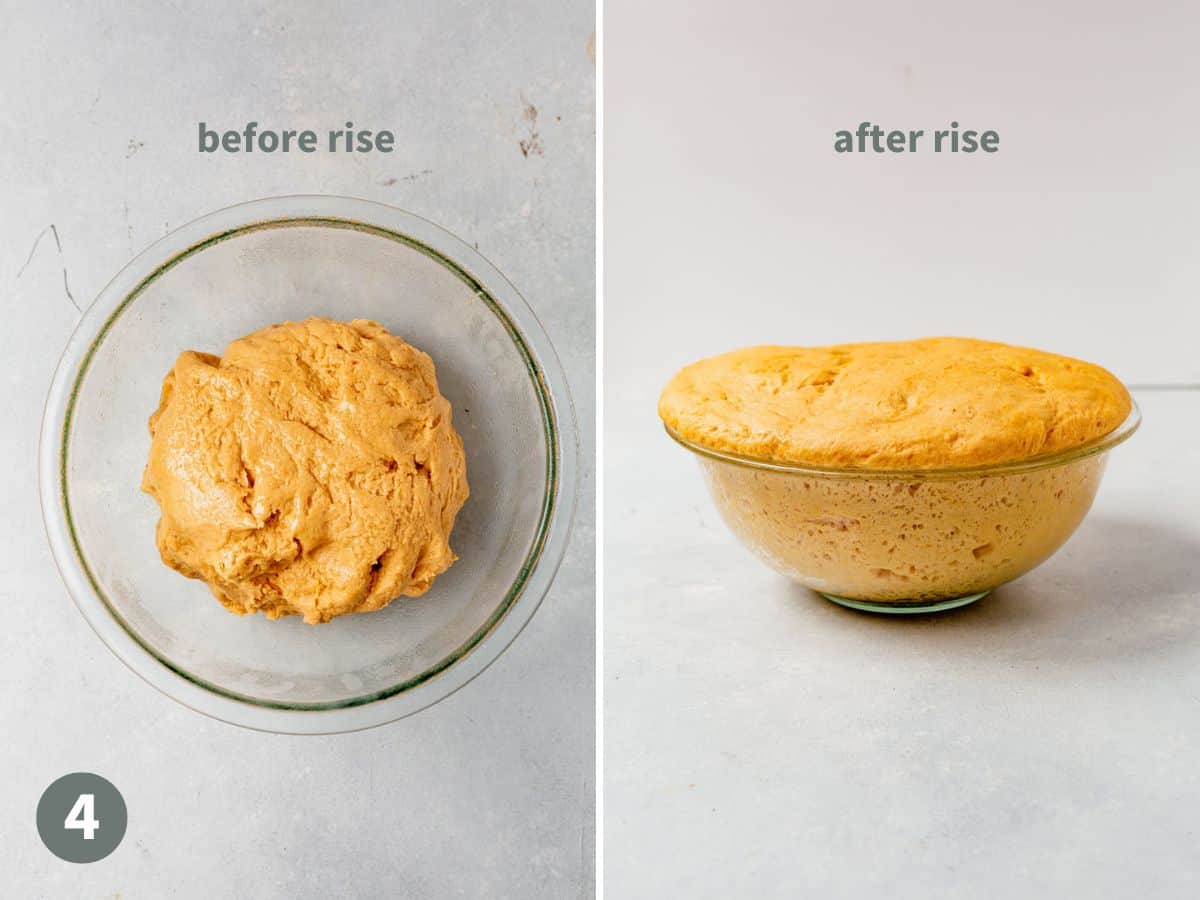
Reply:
x=489, y=793
x=762, y=742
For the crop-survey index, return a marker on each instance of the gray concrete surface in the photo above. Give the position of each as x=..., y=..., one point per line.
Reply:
x=490, y=793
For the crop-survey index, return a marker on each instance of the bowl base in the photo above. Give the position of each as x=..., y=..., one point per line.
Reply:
x=905, y=607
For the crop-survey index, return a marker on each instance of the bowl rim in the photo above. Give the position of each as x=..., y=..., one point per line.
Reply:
x=1101, y=444
x=544, y=555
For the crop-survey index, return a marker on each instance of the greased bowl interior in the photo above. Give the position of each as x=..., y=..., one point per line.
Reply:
x=911, y=538
x=232, y=273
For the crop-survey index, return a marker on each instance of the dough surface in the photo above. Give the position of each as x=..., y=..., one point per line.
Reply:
x=312, y=470
x=932, y=403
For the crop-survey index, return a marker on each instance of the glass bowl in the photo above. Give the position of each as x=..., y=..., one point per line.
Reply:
x=907, y=541
x=226, y=275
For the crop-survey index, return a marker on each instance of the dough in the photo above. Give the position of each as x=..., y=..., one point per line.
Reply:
x=926, y=404
x=937, y=406
x=313, y=470
x=892, y=539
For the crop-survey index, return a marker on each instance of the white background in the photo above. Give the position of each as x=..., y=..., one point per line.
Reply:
x=733, y=222
x=758, y=741
x=490, y=793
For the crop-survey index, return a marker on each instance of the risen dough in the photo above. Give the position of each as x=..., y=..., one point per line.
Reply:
x=938, y=406
x=313, y=470
x=927, y=404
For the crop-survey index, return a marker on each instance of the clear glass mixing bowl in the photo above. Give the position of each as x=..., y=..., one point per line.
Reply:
x=921, y=540
x=231, y=273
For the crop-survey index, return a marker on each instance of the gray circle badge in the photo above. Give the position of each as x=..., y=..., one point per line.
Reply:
x=81, y=817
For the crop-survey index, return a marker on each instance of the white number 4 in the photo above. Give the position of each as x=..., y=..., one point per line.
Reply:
x=82, y=816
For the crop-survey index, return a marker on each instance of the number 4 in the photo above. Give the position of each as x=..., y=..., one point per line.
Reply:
x=82, y=816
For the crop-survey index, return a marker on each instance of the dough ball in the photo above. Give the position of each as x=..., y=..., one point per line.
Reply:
x=313, y=470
